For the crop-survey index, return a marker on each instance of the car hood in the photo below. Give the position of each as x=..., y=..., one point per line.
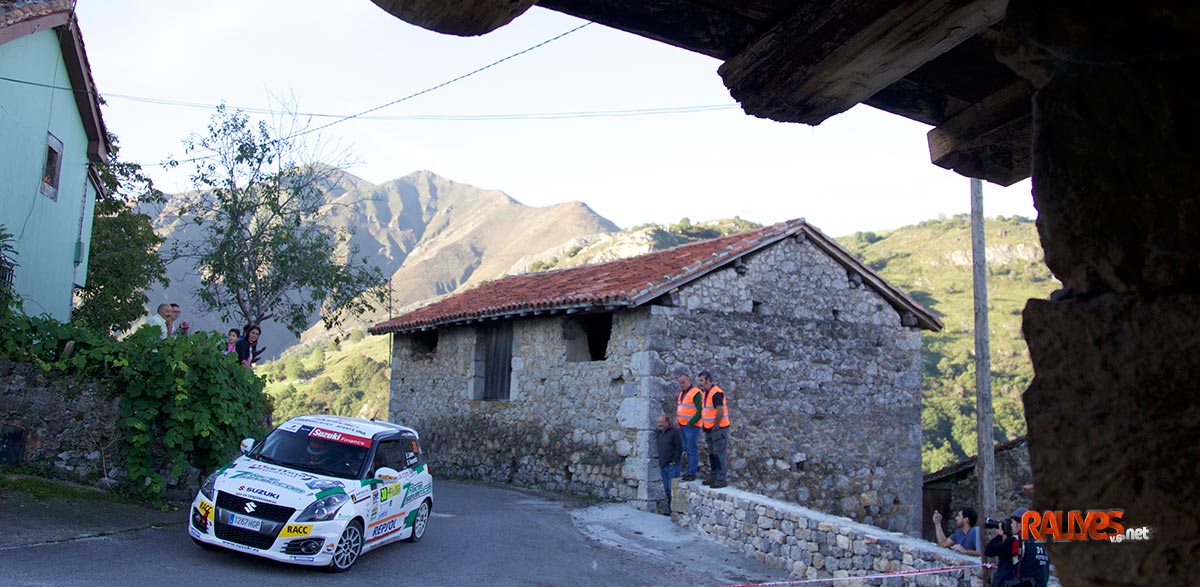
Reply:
x=267, y=483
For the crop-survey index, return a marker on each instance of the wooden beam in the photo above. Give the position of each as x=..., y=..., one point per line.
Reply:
x=915, y=101
x=465, y=18
x=989, y=140
x=828, y=56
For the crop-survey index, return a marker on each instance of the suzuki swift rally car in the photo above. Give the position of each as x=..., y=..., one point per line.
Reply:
x=319, y=490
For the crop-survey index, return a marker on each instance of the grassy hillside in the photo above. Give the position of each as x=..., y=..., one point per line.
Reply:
x=932, y=262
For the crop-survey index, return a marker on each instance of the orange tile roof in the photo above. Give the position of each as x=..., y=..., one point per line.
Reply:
x=15, y=11
x=627, y=282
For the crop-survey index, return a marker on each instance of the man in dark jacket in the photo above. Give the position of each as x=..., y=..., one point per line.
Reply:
x=670, y=450
x=1016, y=561
x=1035, y=561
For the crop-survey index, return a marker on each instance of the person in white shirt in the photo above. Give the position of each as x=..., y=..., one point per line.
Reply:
x=163, y=319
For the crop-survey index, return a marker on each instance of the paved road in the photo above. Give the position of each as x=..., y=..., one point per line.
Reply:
x=479, y=535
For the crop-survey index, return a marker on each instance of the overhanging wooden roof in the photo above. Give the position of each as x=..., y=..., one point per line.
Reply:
x=634, y=281
x=934, y=61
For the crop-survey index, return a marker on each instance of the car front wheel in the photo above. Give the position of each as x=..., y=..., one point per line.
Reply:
x=420, y=522
x=348, y=548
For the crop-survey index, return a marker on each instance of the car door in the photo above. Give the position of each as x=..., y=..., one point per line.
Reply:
x=387, y=513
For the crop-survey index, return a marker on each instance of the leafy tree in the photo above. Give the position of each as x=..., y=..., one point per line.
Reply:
x=294, y=368
x=261, y=251
x=124, y=259
x=358, y=370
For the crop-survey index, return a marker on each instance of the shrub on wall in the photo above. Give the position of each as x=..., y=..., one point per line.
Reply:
x=183, y=403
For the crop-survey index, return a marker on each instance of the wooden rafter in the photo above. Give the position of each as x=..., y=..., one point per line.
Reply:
x=826, y=57
x=990, y=139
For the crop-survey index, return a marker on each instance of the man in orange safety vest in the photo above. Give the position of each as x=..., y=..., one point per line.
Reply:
x=715, y=420
x=687, y=415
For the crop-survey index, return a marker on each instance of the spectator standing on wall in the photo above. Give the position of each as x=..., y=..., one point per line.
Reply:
x=247, y=346
x=161, y=319
x=965, y=538
x=715, y=421
x=687, y=415
x=670, y=452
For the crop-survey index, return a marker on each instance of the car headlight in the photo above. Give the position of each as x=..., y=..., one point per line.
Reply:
x=323, y=509
x=207, y=488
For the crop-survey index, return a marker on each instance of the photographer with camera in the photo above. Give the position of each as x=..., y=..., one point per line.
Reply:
x=1017, y=563
x=965, y=538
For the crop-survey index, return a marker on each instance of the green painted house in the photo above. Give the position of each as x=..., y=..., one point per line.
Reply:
x=51, y=138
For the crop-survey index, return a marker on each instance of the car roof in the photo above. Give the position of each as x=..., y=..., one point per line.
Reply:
x=357, y=426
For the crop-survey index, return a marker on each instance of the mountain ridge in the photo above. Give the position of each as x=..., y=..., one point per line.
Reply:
x=428, y=234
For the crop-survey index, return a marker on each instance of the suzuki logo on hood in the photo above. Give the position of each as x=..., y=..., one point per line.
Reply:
x=250, y=507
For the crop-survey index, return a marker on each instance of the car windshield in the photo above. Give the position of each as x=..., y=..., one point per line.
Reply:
x=298, y=450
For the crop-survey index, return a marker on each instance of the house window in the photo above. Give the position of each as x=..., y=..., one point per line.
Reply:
x=493, y=362
x=587, y=336
x=424, y=344
x=53, y=166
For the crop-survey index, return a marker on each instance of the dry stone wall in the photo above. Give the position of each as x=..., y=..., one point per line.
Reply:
x=814, y=545
x=61, y=420
x=823, y=383
x=583, y=427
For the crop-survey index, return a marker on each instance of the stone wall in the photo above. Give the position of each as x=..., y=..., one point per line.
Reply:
x=814, y=545
x=823, y=380
x=1012, y=472
x=583, y=426
x=63, y=421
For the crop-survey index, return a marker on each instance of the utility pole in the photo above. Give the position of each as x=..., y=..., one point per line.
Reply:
x=985, y=463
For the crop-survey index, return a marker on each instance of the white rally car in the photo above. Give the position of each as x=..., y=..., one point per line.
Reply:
x=319, y=490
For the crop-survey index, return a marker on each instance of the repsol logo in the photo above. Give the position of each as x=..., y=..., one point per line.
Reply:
x=383, y=528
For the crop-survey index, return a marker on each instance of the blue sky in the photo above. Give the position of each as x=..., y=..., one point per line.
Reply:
x=862, y=170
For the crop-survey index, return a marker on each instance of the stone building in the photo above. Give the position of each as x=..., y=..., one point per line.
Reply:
x=956, y=486
x=554, y=379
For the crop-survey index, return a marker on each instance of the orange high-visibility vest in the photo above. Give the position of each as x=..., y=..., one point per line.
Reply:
x=708, y=417
x=686, y=410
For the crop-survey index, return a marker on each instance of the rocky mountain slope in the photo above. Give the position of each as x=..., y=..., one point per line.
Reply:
x=431, y=235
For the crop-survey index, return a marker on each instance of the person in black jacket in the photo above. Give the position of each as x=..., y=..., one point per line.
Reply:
x=1035, y=561
x=670, y=452
x=1007, y=547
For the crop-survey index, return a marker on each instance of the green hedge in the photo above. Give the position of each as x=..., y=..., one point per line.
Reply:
x=182, y=402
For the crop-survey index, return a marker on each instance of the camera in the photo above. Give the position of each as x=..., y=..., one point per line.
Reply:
x=991, y=523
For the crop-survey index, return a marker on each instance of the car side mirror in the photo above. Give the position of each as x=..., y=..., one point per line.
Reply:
x=247, y=444
x=387, y=474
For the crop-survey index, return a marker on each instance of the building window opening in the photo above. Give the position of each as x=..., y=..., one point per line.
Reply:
x=53, y=166
x=496, y=367
x=424, y=343
x=587, y=337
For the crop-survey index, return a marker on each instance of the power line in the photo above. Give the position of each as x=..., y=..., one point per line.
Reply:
x=407, y=117
x=362, y=114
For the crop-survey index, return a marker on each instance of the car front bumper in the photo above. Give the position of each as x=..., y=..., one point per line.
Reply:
x=310, y=543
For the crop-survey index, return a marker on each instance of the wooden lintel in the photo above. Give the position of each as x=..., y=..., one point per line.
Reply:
x=989, y=140
x=465, y=18
x=828, y=56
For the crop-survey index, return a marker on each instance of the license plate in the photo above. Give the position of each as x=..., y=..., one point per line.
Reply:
x=244, y=522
